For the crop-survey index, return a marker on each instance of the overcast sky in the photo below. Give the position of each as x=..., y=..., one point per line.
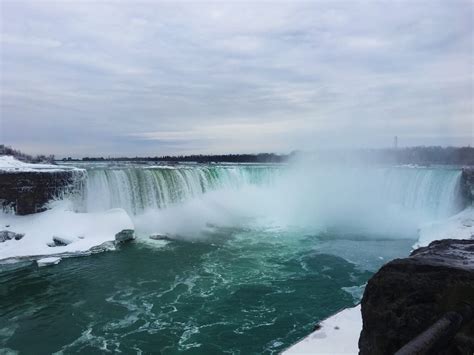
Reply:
x=126, y=78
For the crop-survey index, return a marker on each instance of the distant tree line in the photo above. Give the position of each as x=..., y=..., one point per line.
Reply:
x=411, y=155
x=223, y=158
x=422, y=155
x=6, y=150
x=432, y=155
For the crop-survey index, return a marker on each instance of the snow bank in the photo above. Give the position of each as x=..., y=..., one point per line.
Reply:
x=339, y=334
x=460, y=226
x=80, y=231
x=10, y=164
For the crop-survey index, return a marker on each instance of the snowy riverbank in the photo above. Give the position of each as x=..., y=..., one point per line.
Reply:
x=60, y=232
x=10, y=164
x=338, y=334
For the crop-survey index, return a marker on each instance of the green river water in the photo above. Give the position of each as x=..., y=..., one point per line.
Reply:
x=239, y=292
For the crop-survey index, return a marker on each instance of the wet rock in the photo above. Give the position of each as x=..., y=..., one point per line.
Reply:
x=406, y=296
x=125, y=235
x=59, y=241
x=102, y=247
x=160, y=237
x=28, y=192
x=8, y=235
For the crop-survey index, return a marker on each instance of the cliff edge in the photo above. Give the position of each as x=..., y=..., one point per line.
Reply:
x=27, y=188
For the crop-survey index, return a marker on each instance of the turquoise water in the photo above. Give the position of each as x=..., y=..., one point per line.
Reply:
x=236, y=291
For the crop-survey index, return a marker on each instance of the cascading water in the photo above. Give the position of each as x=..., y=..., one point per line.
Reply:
x=380, y=200
x=137, y=189
x=436, y=191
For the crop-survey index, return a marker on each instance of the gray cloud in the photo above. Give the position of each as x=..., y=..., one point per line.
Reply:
x=121, y=77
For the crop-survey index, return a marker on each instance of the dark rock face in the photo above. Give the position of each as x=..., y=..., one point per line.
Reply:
x=467, y=185
x=29, y=191
x=125, y=235
x=406, y=296
x=7, y=235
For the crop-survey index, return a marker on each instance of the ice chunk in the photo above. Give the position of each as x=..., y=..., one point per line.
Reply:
x=48, y=261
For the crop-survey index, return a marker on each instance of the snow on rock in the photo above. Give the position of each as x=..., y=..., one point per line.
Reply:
x=125, y=235
x=460, y=226
x=84, y=232
x=338, y=334
x=7, y=235
x=48, y=261
x=10, y=164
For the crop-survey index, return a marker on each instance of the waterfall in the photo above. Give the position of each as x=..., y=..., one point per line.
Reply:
x=296, y=195
x=435, y=190
x=137, y=189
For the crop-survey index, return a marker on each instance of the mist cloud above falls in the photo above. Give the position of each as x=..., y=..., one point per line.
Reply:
x=122, y=78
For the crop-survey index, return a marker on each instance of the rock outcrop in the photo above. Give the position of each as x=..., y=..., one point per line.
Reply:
x=407, y=296
x=28, y=192
x=8, y=235
x=125, y=236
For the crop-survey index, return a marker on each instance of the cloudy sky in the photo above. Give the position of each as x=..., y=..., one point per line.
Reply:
x=139, y=78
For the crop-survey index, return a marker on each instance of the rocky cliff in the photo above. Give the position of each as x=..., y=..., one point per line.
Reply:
x=407, y=296
x=29, y=191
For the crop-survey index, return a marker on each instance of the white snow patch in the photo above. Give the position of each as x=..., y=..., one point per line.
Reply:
x=10, y=164
x=83, y=230
x=460, y=226
x=339, y=334
x=48, y=261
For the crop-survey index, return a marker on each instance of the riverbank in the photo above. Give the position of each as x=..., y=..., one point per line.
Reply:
x=60, y=232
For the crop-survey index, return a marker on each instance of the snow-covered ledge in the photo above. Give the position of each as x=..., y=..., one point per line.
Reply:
x=61, y=232
x=10, y=164
x=338, y=334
